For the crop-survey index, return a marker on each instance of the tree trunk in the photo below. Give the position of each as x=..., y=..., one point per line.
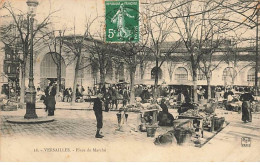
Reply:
x=58, y=76
x=170, y=75
x=232, y=81
x=102, y=76
x=22, y=86
x=132, y=83
x=142, y=70
x=155, y=95
x=195, y=88
x=170, y=69
x=209, y=88
x=75, y=80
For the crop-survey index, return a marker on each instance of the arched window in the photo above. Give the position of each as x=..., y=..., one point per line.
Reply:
x=153, y=73
x=229, y=73
x=181, y=74
x=251, y=75
x=48, y=67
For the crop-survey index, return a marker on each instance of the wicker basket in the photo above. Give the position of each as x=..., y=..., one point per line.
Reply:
x=182, y=135
x=218, y=123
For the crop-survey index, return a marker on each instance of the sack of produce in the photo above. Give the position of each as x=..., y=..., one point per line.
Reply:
x=154, y=106
x=165, y=139
x=210, y=107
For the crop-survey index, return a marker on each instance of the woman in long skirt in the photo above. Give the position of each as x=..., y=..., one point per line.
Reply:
x=247, y=98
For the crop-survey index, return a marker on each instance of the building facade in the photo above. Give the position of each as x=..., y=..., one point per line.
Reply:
x=174, y=71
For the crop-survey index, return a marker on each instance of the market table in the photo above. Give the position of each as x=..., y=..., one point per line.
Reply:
x=182, y=123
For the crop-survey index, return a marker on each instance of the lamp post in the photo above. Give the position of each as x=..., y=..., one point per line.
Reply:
x=31, y=93
x=257, y=51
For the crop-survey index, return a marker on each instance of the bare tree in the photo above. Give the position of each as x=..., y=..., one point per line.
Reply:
x=77, y=44
x=51, y=41
x=195, y=32
x=101, y=56
x=215, y=40
x=132, y=54
x=208, y=63
x=160, y=28
x=16, y=32
x=245, y=13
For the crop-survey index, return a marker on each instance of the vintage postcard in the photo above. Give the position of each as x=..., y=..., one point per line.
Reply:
x=129, y=81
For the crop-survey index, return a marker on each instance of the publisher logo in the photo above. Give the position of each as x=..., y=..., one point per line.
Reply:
x=246, y=142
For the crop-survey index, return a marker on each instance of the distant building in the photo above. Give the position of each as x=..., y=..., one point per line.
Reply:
x=174, y=71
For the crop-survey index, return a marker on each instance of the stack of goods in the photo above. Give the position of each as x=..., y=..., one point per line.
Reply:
x=133, y=108
x=191, y=113
x=210, y=107
x=6, y=105
x=153, y=107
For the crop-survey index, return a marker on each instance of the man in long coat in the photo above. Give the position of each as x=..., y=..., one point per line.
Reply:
x=98, y=113
x=50, y=102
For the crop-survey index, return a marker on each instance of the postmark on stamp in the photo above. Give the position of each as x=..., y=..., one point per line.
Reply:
x=122, y=21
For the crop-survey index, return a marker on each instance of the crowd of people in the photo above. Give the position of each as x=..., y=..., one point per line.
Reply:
x=108, y=97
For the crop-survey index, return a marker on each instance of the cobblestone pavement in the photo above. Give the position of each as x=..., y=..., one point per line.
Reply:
x=75, y=130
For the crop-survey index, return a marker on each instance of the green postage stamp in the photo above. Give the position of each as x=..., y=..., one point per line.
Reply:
x=122, y=21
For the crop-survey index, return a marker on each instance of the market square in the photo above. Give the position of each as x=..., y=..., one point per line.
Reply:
x=129, y=80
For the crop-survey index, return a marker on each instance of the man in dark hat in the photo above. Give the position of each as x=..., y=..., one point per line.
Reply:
x=50, y=101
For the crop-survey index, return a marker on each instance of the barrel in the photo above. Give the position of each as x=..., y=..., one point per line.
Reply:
x=218, y=123
x=151, y=131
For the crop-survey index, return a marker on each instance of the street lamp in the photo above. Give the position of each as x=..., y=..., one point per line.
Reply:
x=257, y=51
x=31, y=93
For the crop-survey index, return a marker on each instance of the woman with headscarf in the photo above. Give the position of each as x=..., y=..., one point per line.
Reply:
x=247, y=98
x=164, y=117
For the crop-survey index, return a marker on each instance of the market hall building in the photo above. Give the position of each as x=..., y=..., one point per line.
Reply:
x=174, y=71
